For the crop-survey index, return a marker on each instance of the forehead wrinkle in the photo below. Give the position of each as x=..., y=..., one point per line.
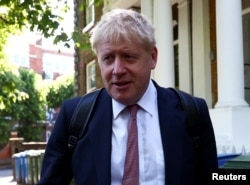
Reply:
x=108, y=47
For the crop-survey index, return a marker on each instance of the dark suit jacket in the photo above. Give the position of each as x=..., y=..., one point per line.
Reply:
x=91, y=161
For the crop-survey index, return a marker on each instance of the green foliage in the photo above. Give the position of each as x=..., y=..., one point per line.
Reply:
x=23, y=96
x=30, y=131
x=11, y=91
x=10, y=94
x=21, y=99
x=5, y=32
x=36, y=14
x=59, y=90
x=31, y=111
x=4, y=35
x=31, y=108
x=4, y=126
x=83, y=3
x=44, y=16
x=81, y=39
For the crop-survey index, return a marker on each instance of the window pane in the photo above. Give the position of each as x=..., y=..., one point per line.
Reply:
x=91, y=76
x=246, y=43
x=89, y=12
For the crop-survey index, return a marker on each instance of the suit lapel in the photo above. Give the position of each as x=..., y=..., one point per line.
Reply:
x=171, y=119
x=101, y=138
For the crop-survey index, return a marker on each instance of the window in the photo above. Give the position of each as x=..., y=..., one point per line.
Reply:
x=91, y=76
x=55, y=64
x=89, y=15
x=21, y=60
x=246, y=44
x=246, y=35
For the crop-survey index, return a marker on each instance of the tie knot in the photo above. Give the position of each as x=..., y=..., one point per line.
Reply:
x=133, y=110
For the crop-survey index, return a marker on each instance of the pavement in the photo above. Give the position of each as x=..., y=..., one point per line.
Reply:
x=6, y=177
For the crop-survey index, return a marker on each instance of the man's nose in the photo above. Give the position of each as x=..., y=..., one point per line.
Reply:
x=118, y=66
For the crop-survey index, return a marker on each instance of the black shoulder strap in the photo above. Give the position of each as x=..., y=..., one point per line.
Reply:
x=80, y=117
x=191, y=108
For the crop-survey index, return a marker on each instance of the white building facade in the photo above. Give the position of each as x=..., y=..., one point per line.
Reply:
x=204, y=49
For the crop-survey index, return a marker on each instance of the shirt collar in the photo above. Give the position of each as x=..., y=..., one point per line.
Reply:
x=147, y=101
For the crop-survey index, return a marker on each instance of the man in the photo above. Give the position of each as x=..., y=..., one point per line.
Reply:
x=126, y=50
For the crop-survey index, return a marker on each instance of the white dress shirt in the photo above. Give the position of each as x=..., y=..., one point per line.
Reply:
x=151, y=158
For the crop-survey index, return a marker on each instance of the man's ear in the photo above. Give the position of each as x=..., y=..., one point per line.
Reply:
x=154, y=55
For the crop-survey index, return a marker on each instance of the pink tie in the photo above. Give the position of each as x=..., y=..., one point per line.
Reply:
x=131, y=169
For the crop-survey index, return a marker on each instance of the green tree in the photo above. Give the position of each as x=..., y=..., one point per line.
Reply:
x=23, y=98
x=59, y=90
x=11, y=89
x=15, y=98
x=37, y=15
x=43, y=16
x=11, y=93
x=31, y=111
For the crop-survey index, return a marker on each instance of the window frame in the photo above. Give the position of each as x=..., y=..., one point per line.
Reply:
x=91, y=76
x=89, y=14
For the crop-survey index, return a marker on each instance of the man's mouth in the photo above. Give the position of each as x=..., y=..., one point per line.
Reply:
x=121, y=85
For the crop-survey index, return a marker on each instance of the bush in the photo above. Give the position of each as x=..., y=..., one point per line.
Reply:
x=5, y=127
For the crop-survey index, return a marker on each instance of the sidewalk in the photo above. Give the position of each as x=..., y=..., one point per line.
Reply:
x=6, y=177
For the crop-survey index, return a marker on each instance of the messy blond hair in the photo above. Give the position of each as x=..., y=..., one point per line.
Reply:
x=126, y=25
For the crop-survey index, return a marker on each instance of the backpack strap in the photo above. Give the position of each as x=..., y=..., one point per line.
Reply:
x=86, y=104
x=191, y=108
x=80, y=117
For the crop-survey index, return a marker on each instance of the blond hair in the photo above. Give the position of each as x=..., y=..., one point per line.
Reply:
x=126, y=25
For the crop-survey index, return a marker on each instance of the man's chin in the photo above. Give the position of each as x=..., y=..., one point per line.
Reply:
x=121, y=99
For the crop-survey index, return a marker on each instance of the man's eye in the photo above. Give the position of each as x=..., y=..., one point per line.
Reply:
x=107, y=59
x=127, y=56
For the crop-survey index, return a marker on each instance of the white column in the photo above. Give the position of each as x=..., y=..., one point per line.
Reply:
x=184, y=44
x=232, y=114
x=201, y=50
x=164, y=72
x=230, y=54
x=147, y=9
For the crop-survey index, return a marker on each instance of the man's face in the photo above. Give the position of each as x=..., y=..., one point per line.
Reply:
x=126, y=70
